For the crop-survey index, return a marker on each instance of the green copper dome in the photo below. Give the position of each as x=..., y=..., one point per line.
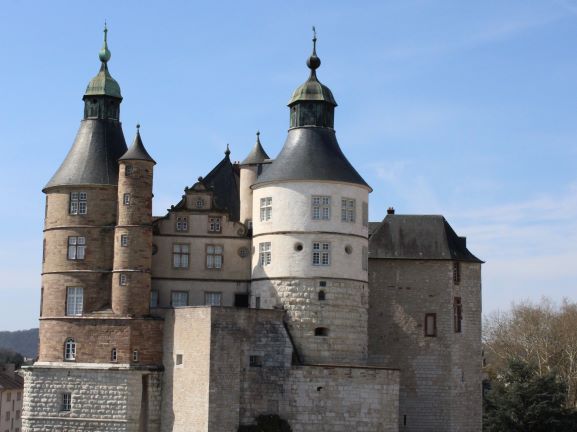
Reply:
x=103, y=84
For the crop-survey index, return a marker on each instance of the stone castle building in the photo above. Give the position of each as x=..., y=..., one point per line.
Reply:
x=264, y=291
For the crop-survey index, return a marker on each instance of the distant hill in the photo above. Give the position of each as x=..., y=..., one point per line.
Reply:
x=24, y=342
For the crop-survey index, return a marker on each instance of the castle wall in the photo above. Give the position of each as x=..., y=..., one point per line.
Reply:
x=103, y=400
x=248, y=175
x=441, y=376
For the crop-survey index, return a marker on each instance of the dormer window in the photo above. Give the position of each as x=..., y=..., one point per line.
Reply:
x=215, y=224
x=199, y=203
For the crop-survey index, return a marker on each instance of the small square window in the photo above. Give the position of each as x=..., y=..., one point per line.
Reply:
x=199, y=203
x=182, y=223
x=124, y=240
x=135, y=356
x=255, y=361
x=126, y=199
x=123, y=279
x=215, y=224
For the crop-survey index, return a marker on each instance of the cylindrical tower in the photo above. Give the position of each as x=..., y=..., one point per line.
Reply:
x=310, y=234
x=133, y=234
x=250, y=168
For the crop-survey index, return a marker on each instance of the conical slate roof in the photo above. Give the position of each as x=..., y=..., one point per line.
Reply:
x=257, y=155
x=137, y=150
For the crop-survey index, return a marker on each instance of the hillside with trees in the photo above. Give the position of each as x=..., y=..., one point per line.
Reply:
x=24, y=342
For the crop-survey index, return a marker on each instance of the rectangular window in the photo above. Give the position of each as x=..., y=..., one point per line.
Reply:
x=348, y=210
x=265, y=209
x=126, y=199
x=76, y=248
x=78, y=203
x=180, y=255
x=153, y=298
x=179, y=359
x=456, y=272
x=182, y=223
x=124, y=240
x=321, y=207
x=179, y=298
x=113, y=355
x=8, y=396
x=365, y=258
x=257, y=302
x=321, y=253
x=19, y=396
x=74, y=301
x=255, y=361
x=123, y=279
x=66, y=402
x=264, y=251
x=457, y=314
x=431, y=324
x=128, y=170
x=135, y=356
x=365, y=214
x=213, y=298
x=214, y=224
x=213, y=257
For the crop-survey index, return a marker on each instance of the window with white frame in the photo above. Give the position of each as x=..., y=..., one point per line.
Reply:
x=182, y=223
x=74, y=301
x=123, y=279
x=179, y=298
x=214, y=257
x=213, y=298
x=265, y=209
x=126, y=199
x=321, y=207
x=215, y=224
x=78, y=203
x=113, y=355
x=135, y=356
x=180, y=255
x=70, y=349
x=348, y=210
x=124, y=240
x=76, y=248
x=66, y=402
x=321, y=253
x=264, y=251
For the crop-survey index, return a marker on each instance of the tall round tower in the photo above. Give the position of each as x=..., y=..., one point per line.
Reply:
x=310, y=233
x=133, y=233
x=250, y=168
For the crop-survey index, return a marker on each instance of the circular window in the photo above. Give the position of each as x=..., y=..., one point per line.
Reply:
x=298, y=247
x=349, y=249
x=154, y=249
x=243, y=252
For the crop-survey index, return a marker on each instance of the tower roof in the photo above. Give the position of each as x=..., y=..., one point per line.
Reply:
x=137, y=150
x=103, y=84
x=257, y=154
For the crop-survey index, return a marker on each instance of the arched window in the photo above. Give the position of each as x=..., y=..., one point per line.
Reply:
x=321, y=331
x=322, y=295
x=70, y=349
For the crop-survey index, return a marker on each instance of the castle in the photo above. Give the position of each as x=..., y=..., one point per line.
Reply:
x=264, y=291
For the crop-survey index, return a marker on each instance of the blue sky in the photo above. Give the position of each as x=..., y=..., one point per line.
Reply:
x=466, y=109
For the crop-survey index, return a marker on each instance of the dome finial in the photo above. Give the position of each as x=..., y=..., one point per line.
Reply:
x=227, y=151
x=104, y=53
x=313, y=61
x=138, y=128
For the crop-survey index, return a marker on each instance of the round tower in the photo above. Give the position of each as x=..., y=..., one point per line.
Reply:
x=250, y=168
x=133, y=234
x=310, y=234
x=81, y=214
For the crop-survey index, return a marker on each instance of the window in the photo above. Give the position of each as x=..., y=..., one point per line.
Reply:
x=8, y=396
x=123, y=279
x=264, y=254
x=17, y=414
x=321, y=331
x=76, y=248
x=214, y=224
x=241, y=300
x=124, y=240
x=365, y=258
x=212, y=298
x=322, y=283
x=19, y=396
x=135, y=356
x=265, y=209
x=70, y=349
x=213, y=257
x=113, y=355
x=179, y=298
x=255, y=361
x=457, y=314
x=78, y=203
x=153, y=298
x=365, y=214
x=243, y=251
x=66, y=401
x=321, y=207
x=199, y=203
x=456, y=272
x=74, y=301
x=179, y=359
x=322, y=295
x=321, y=254
x=431, y=325
x=180, y=255
x=44, y=250
x=182, y=223
x=257, y=302
x=126, y=199
x=128, y=170
x=347, y=210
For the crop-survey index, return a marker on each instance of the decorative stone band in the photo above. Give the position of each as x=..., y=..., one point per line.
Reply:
x=313, y=233
x=328, y=277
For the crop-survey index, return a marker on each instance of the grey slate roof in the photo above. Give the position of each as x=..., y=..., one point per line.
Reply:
x=257, y=154
x=11, y=381
x=93, y=158
x=224, y=181
x=311, y=153
x=426, y=237
x=137, y=151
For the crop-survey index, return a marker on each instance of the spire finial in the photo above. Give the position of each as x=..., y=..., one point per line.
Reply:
x=227, y=151
x=138, y=128
x=104, y=53
x=313, y=61
x=258, y=137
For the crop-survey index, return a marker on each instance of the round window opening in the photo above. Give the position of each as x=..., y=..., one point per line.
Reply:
x=243, y=252
x=349, y=249
x=298, y=247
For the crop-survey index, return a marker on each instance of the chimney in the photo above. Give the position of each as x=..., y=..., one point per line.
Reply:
x=391, y=211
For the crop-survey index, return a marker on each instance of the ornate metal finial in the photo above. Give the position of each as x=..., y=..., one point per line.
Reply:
x=104, y=53
x=313, y=61
x=258, y=137
x=227, y=152
x=314, y=40
x=137, y=127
